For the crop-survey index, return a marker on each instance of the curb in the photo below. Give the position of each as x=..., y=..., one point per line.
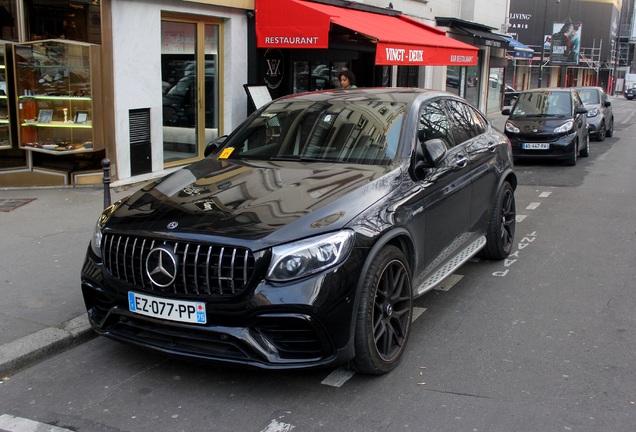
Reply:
x=25, y=352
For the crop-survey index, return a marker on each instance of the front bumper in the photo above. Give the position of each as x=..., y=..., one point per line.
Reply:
x=560, y=148
x=304, y=324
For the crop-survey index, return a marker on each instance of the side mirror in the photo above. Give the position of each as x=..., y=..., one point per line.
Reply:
x=214, y=145
x=505, y=111
x=607, y=103
x=430, y=153
x=581, y=110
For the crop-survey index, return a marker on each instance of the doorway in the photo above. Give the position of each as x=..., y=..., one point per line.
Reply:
x=190, y=73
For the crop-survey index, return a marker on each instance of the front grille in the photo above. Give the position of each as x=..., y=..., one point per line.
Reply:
x=202, y=269
x=535, y=138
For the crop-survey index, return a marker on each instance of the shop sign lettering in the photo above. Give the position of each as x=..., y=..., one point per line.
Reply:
x=402, y=55
x=293, y=40
x=461, y=59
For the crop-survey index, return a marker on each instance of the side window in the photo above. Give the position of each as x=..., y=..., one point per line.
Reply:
x=463, y=118
x=577, y=100
x=434, y=123
x=480, y=124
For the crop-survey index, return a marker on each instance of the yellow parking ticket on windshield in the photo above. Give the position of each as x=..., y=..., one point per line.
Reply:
x=226, y=153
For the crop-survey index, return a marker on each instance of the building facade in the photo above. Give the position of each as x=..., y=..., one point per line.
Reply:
x=148, y=83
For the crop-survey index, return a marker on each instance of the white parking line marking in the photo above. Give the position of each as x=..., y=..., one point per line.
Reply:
x=449, y=282
x=10, y=423
x=520, y=218
x=544, y=194
x=276, y=426
x=338, y=377
x=533, y=205
x=417, y=311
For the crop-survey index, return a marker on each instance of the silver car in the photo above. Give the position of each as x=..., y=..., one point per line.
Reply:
x=600, y=118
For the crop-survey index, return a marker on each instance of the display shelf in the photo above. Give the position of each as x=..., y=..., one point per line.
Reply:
x=56, y=82
x=5, y=106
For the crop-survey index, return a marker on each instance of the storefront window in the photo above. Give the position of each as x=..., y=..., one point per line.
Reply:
x=79, y=20
x=190, y=80
x=313, y=76
x=464, y=81
x=453, y=74
x=472, y=85
x=495, y=89
x=407, y=76
x=7, y=20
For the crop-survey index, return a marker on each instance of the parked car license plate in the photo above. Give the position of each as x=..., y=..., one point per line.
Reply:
x=174, y=310
x=536, y=146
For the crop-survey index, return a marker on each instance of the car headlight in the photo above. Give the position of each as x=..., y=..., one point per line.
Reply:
x=306, y=257
x=96, y=240
x=592, y=113
x=510, y=127
x=565, y=127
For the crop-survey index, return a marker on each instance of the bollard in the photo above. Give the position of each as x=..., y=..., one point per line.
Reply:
x=106, y=181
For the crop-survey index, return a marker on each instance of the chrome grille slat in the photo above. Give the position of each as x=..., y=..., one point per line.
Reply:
x=184, y=269
x=141, y=263
x=117, y=260
x=205, y=269
x=196, y=267
x=232, y=271
x=132, y=256
x=124, y=258
x=220, y=269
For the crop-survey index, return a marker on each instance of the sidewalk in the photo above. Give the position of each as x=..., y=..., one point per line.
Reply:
x=43, y=245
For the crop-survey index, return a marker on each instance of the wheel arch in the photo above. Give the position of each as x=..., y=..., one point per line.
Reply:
x=398, y=237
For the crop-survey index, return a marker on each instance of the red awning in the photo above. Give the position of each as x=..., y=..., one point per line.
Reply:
x=400, y=40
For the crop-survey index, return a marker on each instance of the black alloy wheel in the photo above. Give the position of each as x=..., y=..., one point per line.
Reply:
x=384, y=317
x=602, y=132
x=501, y=229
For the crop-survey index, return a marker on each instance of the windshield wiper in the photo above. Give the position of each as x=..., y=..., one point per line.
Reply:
x=298, y=159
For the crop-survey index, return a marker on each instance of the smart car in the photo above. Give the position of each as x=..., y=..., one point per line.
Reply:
x=548, y=123
x=302, y=240
x=600, y=117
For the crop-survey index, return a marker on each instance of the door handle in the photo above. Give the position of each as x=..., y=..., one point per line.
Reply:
x=461, y=161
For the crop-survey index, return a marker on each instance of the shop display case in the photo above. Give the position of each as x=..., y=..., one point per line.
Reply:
x=58, y=86
x=5, y=127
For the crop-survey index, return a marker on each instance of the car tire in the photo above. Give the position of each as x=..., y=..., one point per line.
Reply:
x=501, y=228
x=585, y=151
x=602, y=132
x=384, y=316
x=571, y=161
x=610, y=129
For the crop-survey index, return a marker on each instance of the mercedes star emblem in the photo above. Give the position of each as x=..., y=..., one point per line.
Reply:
x=161, y=266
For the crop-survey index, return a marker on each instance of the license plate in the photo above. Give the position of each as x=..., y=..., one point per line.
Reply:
x=536, y=146
x=174, y=310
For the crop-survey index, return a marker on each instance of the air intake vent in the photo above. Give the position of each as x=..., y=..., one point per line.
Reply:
x=139, y=124
x=140, y=147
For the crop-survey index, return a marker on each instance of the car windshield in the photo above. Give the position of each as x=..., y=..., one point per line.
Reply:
x=543, y=103
x=590, y=96
x=347, y=131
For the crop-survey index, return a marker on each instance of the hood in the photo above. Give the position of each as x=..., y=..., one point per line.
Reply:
x=276, y=202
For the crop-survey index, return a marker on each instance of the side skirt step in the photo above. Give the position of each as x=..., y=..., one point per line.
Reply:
x=451, y=265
